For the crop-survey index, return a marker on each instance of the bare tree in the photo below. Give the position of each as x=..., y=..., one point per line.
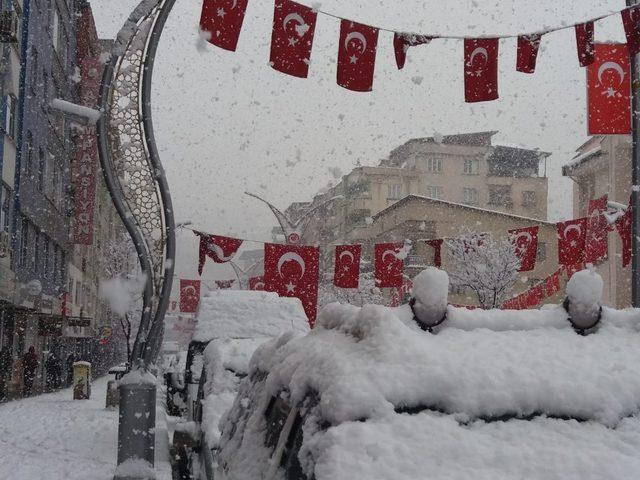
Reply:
x=366, y=293
x=484, y=265
x=121, y=286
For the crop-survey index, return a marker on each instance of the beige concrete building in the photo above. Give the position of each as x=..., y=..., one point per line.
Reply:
x=603, y=167
x=419, y=218
x=464, y=169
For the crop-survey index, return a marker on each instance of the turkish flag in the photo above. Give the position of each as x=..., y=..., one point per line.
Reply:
x=624, y=225
x=292, y=38
x=631, y=23
x=525, y=241
x=480, y=69
x=609, y=91
x=221, y=21
x=437, y=251
x=528, y=46
x=357, y=56
x=571, y=241
x=256, y=283
x=584, y=43
x=597, y=244
x=537, y=294
x=217, y=248
x=552, y=284
x=347, y=266
x=402, y=42
x=388, y=264
x=189, y=295
x=292, y=271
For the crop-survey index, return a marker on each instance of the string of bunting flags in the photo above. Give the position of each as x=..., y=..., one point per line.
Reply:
x=294, y=28
x=293, y=270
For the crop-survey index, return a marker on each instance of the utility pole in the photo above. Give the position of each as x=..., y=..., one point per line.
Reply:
x=635, y=177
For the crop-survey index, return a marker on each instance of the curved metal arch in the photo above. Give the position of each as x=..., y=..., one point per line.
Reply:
x=132, y=169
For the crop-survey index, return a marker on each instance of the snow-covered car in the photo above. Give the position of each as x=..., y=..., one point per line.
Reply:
x=369, y=394
x=230, y=325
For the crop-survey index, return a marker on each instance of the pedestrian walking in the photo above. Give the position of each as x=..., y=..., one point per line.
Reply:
x=30, y=361
x=57, y=372
x=70, y=361
x=53, y=372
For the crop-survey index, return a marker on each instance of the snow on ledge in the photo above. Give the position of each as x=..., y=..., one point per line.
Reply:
x=139, y=377
x=136, y=468
x=90, y=114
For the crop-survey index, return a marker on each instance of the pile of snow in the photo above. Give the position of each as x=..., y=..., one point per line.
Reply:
x=431, y=293
x=247, y=314
x=584, y=292
x=372, y=363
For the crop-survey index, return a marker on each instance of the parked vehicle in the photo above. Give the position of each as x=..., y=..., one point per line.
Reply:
x=490, y=394
x=230, y=325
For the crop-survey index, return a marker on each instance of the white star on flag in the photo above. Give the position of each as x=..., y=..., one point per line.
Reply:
x=610, y=92
x=290, y=287
x=293, y=41
x=221, y=12
x=353, y=59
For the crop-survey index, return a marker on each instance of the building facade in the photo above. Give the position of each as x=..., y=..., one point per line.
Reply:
x=602, y=166
x=420, y=218
x=464, y=169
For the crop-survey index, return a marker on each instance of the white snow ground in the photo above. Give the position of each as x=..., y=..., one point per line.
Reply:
x=54, y=437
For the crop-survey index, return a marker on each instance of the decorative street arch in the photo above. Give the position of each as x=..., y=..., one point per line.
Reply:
x=132, y=169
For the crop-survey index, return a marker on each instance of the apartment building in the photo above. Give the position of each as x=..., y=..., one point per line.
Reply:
x=602, y=166
x=465, y=169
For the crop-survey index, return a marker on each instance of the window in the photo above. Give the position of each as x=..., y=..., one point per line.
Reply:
x=24, y=242
x=470, y=196
x=394, y=192
x=42, y=167
x=434, y=192
x=529, y=198
x=500, y=195
x=10, y=116
x=34, y=69
x=541, y=253
x=471, y=166
x=434, y=165
x=45, y=256
x=5, y=210
x=35, y=258
x=28, y=151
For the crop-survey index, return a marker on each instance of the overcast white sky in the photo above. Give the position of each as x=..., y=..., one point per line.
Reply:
x=226, y=122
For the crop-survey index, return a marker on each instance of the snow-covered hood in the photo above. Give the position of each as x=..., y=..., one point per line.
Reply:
x=369, y=362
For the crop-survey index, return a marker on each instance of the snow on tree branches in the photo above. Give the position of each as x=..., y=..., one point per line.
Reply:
x=484, y=265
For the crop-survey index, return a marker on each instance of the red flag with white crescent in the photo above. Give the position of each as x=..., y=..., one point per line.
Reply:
x=525, y=241
x=609, y=91
x=597, y=241
x=631, y=23
x=218, y=248
x=480, y=69
x=402, y=42
x=357, y=56
x=528, y=46
x=571, y=241
x=584, y=43
x=256, y=283
x=189, y=295
x=347, y=266
x=552, y=284
x=292, y=271
x=624, y=226
x=292, y=38
x=389, y=264
x=221, y=22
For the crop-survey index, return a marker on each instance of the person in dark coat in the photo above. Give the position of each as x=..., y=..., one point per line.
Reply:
x=57, y=372
x=70, y=361
x=30, y=361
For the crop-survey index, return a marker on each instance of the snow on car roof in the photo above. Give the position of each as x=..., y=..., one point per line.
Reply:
x=366, y=362
x=247, y=314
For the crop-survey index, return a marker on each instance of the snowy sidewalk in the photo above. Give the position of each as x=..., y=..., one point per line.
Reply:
x=54, y=437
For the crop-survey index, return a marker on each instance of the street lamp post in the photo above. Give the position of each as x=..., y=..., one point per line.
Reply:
x=635, y=176
x=138, y=187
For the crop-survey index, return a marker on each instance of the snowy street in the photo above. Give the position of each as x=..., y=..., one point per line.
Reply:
x=53, y=436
